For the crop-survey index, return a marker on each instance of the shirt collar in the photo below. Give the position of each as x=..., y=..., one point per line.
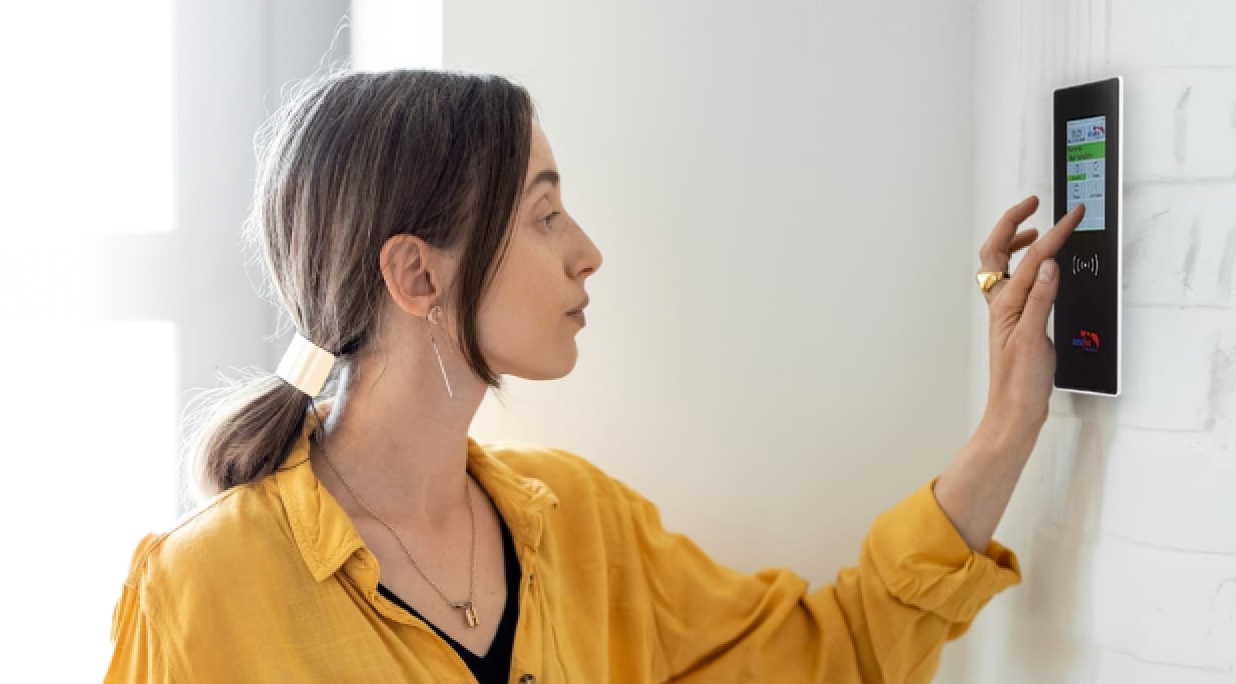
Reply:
x=325, y=535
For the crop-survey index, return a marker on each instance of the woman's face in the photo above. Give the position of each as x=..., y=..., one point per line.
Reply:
x=524, y=325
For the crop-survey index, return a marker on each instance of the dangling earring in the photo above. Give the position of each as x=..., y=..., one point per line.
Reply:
x=437, y=311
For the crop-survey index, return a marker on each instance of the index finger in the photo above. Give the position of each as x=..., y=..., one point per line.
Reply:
x=1045, y=248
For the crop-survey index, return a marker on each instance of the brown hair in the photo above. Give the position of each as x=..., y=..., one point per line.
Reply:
x=350, y=160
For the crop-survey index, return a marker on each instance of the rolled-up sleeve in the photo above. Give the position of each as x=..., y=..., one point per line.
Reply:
x=917, y=585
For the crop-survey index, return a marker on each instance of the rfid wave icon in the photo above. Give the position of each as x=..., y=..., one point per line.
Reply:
x=1088, y=341
x=1091, y=264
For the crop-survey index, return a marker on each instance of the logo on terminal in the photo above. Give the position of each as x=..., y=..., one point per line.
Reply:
x=1087, y=341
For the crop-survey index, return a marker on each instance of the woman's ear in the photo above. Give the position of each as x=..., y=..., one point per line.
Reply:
x=411, y=270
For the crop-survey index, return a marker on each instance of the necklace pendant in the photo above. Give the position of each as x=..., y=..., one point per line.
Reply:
x=470, y=614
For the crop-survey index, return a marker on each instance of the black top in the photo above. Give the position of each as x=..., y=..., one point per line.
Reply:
x=495, y=666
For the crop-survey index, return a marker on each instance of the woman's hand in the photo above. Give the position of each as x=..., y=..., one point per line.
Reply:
x=975, y=488
x=1023, y=359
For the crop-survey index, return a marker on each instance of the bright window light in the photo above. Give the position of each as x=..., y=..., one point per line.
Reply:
x=88, y=116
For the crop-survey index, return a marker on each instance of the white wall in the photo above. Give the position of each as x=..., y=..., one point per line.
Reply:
x=1126, y=518
x=776, y=349
x=392, y=34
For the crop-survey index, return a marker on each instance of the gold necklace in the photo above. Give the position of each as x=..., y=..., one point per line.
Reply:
x=470, y=616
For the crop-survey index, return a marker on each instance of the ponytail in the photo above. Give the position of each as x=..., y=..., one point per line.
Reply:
x=241, y=432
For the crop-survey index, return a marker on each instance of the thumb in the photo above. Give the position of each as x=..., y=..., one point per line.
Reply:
x=1042, y=296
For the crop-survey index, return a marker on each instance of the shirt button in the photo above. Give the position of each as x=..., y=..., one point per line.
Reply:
x=527, y=679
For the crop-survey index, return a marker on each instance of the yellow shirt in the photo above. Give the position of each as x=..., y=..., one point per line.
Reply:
x=270, y=582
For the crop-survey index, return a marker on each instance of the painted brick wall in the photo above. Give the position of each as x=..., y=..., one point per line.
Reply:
x=1126, y=518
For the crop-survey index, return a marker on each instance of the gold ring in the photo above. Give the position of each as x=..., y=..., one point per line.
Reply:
x=988, y=279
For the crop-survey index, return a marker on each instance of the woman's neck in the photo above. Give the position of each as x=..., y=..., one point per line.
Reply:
x=398, y=444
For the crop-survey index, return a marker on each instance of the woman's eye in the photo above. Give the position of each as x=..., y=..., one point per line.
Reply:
x=550, y=218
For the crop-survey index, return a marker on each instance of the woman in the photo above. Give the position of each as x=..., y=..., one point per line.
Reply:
x=413, y=229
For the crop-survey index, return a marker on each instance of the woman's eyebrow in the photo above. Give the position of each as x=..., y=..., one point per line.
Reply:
x=545, y=176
